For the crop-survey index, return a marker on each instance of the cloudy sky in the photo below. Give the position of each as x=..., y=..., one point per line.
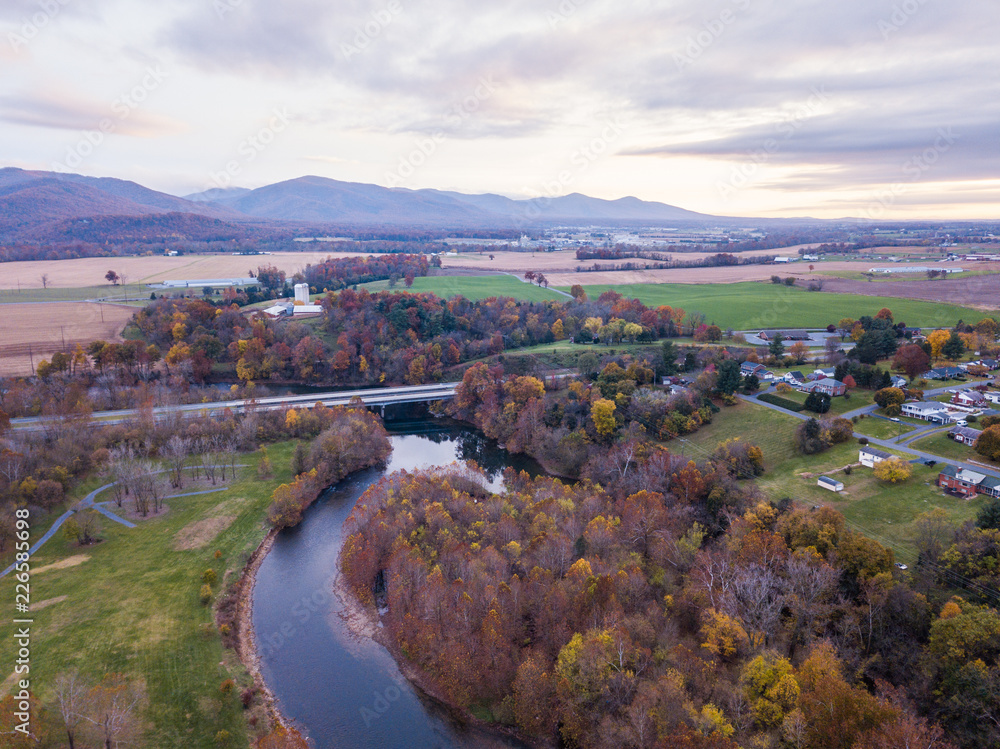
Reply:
x=875, y=108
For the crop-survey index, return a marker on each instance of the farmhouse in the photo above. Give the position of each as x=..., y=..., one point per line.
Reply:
x=965, y=483
x=869, y=456
x=786, y=335
x=827, y=386
x=927, y=411
x=965, y=435
x=832, y=484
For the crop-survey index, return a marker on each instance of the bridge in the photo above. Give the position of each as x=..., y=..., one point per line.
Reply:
x=374, y=398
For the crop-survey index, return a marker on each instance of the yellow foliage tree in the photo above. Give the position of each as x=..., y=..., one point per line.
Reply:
x=557, y=330
x=937, y=339
x=724, y=636
x=893, y=471
x=603, y=415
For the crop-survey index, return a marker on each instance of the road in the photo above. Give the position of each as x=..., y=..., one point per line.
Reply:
x=371, y=397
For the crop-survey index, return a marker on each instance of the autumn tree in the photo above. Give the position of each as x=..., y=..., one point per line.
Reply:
x=937, y=339
x=953, y=348
x=891, y=396
x=602, y=413
x=988, y=443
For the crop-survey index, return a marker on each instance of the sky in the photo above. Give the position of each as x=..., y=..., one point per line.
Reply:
x=879, y=109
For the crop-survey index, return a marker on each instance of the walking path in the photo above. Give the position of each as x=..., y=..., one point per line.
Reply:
x=102, y=507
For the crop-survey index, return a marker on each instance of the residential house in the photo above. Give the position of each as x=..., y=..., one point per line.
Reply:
x=990, y=363
x=944, y=373
x=748, y=368
x=992, y=396
x=965, y=435
x=829, y=387
x=869, y=456
x=795, y=379
x=965, y=483
x=926, y=411
x=968, y=398
x=786, y=335
x=900, y=382
x=830, y=483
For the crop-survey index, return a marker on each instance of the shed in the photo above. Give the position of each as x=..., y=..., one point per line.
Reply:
x=830, y=483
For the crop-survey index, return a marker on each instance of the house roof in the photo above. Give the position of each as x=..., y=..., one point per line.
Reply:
x=967, y=432
x=875, y=452
x=797, y=375
x=926, y=406
x=827, y=382
x=830, y=481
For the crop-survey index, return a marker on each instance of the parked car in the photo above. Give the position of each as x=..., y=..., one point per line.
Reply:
x=962, y=423
x=901, y=566
x=894, y=419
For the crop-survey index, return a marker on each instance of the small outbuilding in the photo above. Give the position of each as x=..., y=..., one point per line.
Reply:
x=830, y=483
x=869, y=456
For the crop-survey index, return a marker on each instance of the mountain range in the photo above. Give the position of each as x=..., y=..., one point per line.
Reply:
x=38, y=205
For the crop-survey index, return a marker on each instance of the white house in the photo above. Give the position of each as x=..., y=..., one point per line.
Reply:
x=992, y=396
x=829, y=483
x=869, y=456
x=925, y=410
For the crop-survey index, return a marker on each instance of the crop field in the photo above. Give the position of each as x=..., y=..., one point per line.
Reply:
x=474, y=288
x=32, y=332
x=83, y=272
x=754, y=306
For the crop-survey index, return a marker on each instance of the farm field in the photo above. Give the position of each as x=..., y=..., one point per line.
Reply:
x=100, y=620
x=756, y=306
x=83, y=272
x=473, y=288
x=134, y=294
x=36, y=331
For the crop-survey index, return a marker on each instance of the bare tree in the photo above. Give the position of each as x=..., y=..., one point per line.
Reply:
x=72, y=701
x=44, y=278
x=176, y=452
x=115, y=713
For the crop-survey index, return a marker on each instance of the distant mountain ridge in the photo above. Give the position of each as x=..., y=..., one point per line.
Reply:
x=34, y=204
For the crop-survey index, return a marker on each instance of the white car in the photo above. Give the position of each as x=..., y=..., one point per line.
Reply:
x=962, y=423
x=901, y=566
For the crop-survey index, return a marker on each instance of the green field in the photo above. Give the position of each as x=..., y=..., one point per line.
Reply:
x=757, y=306
x=132, y=607
x=108, y=292
x=884, y=429
x=839, y=405
x=473, y=288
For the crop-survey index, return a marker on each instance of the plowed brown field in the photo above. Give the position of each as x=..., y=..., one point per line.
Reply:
x=32, y=332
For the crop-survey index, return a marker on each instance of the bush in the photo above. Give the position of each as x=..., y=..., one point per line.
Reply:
x=893, y=411
x=893, y=471
x=862, y=440
x=776, y=400
x=205, y=594
x=818, y=402
x=209, y=577
x=227, y=686
x=848, y=470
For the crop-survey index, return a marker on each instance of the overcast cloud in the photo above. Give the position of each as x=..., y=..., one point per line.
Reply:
x=739, y=107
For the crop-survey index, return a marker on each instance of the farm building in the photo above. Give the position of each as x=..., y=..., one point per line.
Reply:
x=215, y=283
x=829, y=483
x=913, y=269
x=965, y=483
x=786, y=335
x=869, y=456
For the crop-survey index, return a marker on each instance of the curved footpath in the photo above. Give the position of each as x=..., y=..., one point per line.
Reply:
x=88, y=503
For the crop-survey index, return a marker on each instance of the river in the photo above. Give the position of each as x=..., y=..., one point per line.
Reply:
x=340, y=689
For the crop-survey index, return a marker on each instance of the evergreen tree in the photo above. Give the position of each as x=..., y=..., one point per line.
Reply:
x=777, y=346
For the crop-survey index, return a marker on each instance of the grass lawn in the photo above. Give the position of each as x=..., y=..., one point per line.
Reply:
x=883, y=429
x=473, y=288
x=135, y=293
x=942, y=444
x=751, y=306
x=132, y=606
x=838, y=405
x=887, y=513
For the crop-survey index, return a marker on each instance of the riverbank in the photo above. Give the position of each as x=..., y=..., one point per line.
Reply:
x=246, y=643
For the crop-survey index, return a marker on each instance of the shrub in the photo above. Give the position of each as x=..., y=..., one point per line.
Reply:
x=776, y=400
x=209, y=577
x=862, y=440
x=848, y=470
x=227, y=686
x=893, y=411
x=205, y=594
x=893, y=471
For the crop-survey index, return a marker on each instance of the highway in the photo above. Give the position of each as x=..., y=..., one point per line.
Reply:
x=373, y=397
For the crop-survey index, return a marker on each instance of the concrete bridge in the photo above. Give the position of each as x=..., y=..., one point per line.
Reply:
x=373, y=398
